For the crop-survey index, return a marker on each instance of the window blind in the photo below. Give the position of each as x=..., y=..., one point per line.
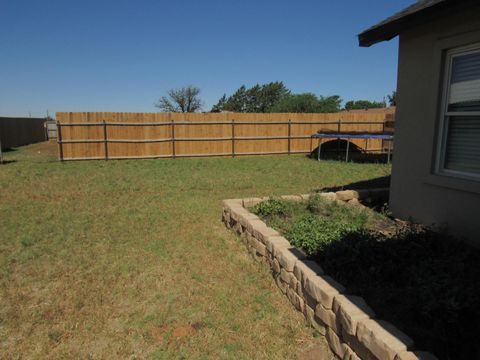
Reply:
x=462, y=143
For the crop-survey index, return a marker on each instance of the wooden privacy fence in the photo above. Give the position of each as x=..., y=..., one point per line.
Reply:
x=16, y=132
x=103, y=135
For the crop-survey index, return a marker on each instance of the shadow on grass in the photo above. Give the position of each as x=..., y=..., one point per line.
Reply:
x=376, y=183
x=424, y=282
x=6, y=162
x=9, y=150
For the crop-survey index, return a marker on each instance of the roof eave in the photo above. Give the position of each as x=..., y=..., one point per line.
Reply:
x=391, y=29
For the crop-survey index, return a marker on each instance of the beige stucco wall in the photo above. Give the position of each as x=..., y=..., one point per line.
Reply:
x=416, y=191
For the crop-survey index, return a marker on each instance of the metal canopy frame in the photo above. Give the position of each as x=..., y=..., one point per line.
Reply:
x=349, y=136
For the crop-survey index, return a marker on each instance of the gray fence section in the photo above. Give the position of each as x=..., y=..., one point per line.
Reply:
x=51, y=129
x=16, y=132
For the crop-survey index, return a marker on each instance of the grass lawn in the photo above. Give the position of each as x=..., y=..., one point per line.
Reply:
x=129, y=259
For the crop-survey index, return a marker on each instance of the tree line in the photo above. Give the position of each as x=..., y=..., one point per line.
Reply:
x=273, y=97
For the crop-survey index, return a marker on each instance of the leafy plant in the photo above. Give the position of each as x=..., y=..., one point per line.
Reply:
x=317, y=205
x=312, y=233
x=272, y=207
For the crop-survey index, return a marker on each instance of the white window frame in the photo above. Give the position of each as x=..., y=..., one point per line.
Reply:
x=445, y=114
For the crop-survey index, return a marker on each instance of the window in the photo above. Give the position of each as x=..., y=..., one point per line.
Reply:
x=459, y=148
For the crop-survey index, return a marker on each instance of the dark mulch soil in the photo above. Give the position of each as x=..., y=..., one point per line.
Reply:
x=426, y=283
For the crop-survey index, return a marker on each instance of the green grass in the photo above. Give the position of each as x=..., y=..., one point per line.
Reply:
x=129, y=259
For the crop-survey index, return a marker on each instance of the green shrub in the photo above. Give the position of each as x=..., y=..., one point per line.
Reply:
x=318, y=205
x=312, y=233
x=272, y=207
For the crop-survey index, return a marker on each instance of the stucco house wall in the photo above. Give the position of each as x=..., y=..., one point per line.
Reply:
x=416, y=191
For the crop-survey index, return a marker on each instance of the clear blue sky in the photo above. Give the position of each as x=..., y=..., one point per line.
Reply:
x=122, y=55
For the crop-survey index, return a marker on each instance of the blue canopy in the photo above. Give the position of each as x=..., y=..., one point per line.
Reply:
x=346, y=135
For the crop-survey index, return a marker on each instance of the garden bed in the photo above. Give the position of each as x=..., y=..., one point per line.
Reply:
x=424, y=282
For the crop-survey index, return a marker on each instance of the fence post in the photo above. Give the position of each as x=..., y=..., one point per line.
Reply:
x=289, y=136
x=233, y=137
x=173, y=137
x=1, y=152
x=59, y=140
x=105, y=139
x=383, y=131
x=339, y=128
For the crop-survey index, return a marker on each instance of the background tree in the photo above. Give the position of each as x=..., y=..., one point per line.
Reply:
x=308, y=103
x=392, y=99
x=329, y=104
x=258, y=98
x=220, y=104
x=364, y=104
x=185, y=99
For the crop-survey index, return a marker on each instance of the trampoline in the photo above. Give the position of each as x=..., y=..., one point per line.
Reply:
x=353, y=135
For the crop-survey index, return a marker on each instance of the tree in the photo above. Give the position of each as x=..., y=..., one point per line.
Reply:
x=308, y=103
x=220, y=104
x=258, y=98
x=329, y=104
x=185, y=99
x=392, y=99
x=363, y=105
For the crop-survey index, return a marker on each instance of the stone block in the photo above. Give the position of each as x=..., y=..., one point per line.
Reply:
x=361, y=351
x=238, y=228
x=296, y=300
x=309, y=314
x=323, y=289
x=251, y=202
x=246, y=218
x=294, y=285
x=286, y=276
x=309, y=299
x=226, y=216
x=346, y=195
x=231, y=202
x=350, y=310
x=287, y=257
x=328, y=317
x=276, y=242
x=306, y=268
x=237, y=211
x=354, y=202
x=305, y=197
x=254, y=224
x=258, y=246
x=292, y=197
x=335, y=343
x=263, y=232
x=349, y=354
x=299, y=288
x=245, y=237
x=276, y=266
x=282, y=285
x=328, y=196
x=382, y=339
